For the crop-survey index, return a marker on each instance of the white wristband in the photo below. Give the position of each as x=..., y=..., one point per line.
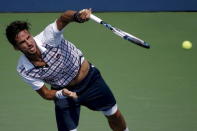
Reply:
x=60, y=95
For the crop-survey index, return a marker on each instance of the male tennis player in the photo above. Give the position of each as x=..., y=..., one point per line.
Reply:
x=49, y=58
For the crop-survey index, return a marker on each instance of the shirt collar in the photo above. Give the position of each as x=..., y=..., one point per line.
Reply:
x=40, y=45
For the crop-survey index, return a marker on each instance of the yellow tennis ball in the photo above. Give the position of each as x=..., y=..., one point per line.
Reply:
x=187, y=44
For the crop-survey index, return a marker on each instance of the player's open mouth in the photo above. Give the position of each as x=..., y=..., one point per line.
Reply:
x=31, y=49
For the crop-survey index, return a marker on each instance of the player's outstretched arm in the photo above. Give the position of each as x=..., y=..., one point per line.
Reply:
x=70, y=16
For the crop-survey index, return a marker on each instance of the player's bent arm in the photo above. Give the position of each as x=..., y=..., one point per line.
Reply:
x=39, y=86
x=47, y=94
x=70, y=16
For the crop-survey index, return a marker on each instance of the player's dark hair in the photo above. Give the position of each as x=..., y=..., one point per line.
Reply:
x=14, y=28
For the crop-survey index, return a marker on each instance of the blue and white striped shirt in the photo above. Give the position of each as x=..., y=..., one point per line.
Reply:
x=62, y=57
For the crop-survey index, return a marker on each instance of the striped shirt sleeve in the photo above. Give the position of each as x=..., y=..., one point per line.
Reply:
x=51, y=35
x=36, y=84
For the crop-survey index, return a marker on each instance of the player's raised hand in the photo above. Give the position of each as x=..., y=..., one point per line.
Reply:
x=83, y=15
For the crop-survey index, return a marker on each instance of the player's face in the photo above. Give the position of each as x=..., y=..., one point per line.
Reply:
x=25, y=43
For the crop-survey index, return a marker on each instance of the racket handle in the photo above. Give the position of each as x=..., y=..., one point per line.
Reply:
x=94, y=18
x=146, y=45
x=138, y=42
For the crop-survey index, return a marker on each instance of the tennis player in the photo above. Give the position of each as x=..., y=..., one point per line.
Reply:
x=49, y=58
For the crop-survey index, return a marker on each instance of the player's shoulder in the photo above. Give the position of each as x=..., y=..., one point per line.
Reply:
x=52, y=28
x=20, y=67
x=50, y=35
x=45, y=34
x=23, y=64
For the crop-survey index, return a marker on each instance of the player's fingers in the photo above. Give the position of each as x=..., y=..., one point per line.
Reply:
x=89, y=12
x=70, y=93
x=90, y=9
x=74, y=95
x=81, y=11
x=66, y=92
x=85, y=13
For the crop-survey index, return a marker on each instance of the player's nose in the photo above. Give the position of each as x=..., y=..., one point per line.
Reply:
x=28, y=43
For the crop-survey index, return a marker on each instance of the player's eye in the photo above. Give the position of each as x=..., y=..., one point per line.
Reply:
x=20, y=43
x=28, y=37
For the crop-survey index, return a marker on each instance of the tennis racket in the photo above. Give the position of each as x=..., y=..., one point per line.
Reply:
x=121, y=33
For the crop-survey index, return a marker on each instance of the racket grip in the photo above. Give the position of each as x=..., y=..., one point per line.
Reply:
x=94, y=18
x=138, y=42
x=146, y=45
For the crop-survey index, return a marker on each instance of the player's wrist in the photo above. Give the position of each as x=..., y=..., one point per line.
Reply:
x=60, y=95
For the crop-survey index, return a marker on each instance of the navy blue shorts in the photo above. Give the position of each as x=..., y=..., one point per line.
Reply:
x=93, y=93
